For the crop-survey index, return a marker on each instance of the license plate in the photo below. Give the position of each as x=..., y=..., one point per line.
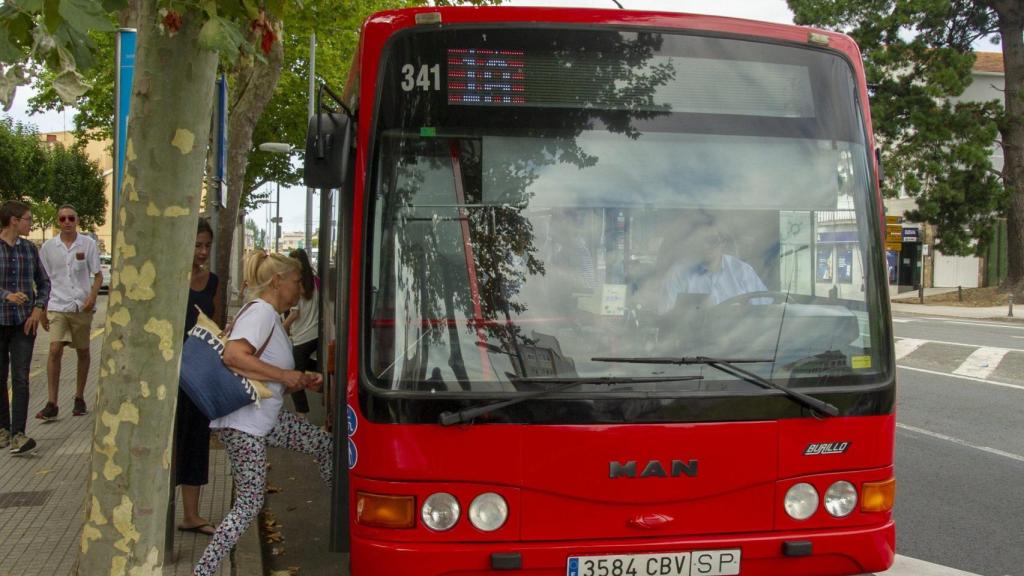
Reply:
x=697, y=563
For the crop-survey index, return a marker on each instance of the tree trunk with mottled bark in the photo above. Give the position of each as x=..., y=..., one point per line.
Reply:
x=1011, y=28
x=253, y=85
x=168, y=128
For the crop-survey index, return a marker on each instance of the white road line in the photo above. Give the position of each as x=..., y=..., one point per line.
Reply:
x=900, y=320
x=961, y=442
x=981, y=362
x=950, y=344
x=1003, y=325
x=972, y=379
x=904, y=346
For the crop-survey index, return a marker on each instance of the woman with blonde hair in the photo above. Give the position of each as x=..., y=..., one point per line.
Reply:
x=277, y=283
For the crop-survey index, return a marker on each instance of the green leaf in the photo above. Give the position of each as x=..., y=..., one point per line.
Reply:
x=19, y=30
x=70, y=86
x=110, y=6
x=51, y=15
x=77, y=47
x=9, y=52
x=9, y=82
x=252, y=10
x=275, y=8
x=30, y=5
x=85, y=15
x=221, y=35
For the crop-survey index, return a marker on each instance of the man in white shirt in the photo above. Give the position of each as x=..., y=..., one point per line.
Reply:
x=72, y=262
x=712, y=273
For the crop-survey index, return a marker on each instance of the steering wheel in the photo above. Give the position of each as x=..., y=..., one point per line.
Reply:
x=777, y=297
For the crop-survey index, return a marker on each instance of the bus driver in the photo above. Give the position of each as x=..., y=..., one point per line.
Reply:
x=707, y=269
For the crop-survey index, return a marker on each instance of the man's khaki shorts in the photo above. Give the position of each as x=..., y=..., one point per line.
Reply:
x=73, y=327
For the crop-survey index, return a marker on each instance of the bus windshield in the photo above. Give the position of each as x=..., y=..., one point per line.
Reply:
x=543, y=198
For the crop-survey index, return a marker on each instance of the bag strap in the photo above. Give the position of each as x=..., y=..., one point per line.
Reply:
x=227, y=332
x=267, y=343
x=239, y=315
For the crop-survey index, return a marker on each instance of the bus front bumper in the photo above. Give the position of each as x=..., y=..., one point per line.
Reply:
x=832, y=552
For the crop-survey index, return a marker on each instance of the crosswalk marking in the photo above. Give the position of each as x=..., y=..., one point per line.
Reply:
x=904, y=346
x=981, y=362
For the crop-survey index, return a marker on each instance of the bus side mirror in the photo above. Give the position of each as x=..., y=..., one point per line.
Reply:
x=327, y=142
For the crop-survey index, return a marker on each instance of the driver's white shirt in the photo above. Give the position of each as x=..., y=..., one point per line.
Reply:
x=735, y=277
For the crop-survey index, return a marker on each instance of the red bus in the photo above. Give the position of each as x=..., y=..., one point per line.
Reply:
x=606, y=295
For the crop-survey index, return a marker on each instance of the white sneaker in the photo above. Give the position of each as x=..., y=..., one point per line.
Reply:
x=21, y=445
x=5, y=439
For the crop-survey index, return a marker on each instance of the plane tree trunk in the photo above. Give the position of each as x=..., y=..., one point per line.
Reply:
x=168, y=129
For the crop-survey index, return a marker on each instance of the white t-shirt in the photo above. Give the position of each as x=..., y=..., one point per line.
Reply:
x=72, y=270
x=304, y=329
x=253, y=326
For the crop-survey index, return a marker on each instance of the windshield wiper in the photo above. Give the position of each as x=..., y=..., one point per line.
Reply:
x=729, y=366
x=452, y=418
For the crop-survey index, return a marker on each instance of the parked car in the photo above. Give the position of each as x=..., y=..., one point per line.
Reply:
x=105, y=269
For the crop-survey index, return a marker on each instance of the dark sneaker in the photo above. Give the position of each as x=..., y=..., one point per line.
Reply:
x=5, y=439
x=80, y=409
x=49, y=412
x=21, y=445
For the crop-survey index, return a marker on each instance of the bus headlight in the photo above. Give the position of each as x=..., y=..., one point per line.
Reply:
x=440, y=511
x=801, y=501
x=488, y=512
x=840, y=498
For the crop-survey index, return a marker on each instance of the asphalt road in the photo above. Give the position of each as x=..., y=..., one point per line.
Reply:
x=960, y=443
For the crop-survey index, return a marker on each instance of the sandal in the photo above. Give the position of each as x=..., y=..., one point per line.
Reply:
x=206, y=529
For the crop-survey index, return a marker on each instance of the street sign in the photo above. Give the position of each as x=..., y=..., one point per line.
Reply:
x=893, y=236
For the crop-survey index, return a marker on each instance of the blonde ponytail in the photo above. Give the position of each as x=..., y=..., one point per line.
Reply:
x=260, y=269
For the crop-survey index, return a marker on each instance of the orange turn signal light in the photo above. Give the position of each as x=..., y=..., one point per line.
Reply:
x=385, y=511
x=878, y=496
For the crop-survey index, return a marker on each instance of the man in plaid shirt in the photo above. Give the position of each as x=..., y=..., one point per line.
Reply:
x=24, y=292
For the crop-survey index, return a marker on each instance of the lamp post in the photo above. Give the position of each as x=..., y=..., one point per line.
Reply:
x=277, y=148
x=310, y=109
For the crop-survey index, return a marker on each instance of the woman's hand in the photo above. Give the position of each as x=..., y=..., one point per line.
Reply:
x=314, y=381
x=293, y=380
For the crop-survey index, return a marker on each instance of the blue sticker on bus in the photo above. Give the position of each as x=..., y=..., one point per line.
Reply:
x=353, y=454
x=574, y=567
x=353, y=422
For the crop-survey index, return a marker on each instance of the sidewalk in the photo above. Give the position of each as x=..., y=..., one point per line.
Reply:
x=907, y=303
x=42, y=496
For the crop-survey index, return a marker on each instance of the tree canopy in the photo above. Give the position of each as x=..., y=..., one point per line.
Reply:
x=49, y=175
x=918, y=57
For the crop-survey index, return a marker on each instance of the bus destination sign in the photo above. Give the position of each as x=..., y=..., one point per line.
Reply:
x=486, y=77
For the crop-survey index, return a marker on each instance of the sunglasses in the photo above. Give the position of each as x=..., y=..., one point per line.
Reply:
x=68, y=218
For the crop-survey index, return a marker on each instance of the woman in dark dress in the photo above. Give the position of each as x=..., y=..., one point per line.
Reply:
x=192, y=428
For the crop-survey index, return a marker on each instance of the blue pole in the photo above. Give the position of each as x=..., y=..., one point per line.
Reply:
x=124, y=57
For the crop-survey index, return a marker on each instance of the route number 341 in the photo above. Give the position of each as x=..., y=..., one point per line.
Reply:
x=424, y=78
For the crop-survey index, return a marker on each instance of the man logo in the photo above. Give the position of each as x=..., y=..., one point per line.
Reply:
x=653, y=468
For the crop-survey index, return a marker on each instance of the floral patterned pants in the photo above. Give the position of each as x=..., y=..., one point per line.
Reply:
x=248, y=455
